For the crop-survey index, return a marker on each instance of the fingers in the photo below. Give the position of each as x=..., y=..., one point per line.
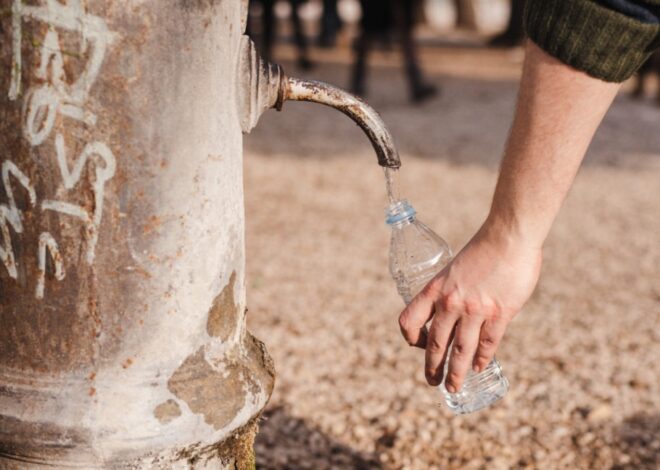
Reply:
x=463, y=350
x=413, y=319
x=492, y=332
x=437, y=345
x=475, y=327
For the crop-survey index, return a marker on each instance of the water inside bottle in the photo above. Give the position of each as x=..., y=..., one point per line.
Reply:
x=409, y=286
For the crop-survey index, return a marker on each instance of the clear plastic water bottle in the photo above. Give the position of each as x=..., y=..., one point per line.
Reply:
x=417, y=254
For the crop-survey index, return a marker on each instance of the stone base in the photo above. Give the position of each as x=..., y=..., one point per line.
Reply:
x=235, y=453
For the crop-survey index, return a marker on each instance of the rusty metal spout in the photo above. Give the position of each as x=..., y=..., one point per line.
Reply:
x=266, y=86
x=364, y=115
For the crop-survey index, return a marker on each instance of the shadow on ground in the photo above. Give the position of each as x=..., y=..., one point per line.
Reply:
x=287, y=442
x=638, y=438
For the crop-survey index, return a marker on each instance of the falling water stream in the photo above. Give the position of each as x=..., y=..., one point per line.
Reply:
x=391, y=185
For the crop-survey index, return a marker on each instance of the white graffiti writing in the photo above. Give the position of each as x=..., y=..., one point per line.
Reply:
x=102, y=174
x=47, y=244
x=58, y=95
x=71, y=17
x=10, y=215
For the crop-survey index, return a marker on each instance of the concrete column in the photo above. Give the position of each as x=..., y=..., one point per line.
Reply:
x=122, y=298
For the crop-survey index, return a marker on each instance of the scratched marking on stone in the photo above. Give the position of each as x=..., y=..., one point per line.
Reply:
x=71, y=17
x=103, y=173
x=47, y=244
x=10, y=214
x=58, y=95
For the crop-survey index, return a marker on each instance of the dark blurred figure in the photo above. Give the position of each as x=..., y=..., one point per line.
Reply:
x=269, y=29
x=466, y=15
x=330, y=24
x=514, y=33
x=650, y=67
x=379, y=19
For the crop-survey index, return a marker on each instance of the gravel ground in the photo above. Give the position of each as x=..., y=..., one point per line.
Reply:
x=583, y=358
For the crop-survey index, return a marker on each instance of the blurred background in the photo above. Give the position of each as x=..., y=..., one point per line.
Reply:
x=583, y=358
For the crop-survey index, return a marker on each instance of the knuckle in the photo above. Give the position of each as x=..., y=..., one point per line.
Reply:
x=482, y=358
x=474, y=308
x=501, y=312
x=435, y=345
x=490, y=310
x=452, y=302
x=487, y=342
x=496, y=315
x=458, y=350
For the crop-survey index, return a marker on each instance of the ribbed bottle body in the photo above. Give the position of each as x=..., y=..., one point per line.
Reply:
x=479, y=391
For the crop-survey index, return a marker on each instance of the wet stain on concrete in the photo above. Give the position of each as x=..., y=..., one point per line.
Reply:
x=220, y=393
x=223, y=316
x=215, y=395
x=167, y=411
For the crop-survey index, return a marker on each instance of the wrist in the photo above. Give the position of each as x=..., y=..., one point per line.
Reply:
x=509, y=232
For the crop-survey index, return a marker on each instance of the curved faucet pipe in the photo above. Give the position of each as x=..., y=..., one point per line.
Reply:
x=263, y=85
x=361, y=113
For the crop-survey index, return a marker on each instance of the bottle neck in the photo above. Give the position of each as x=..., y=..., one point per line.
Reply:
x=403, y=222
x=400, y=213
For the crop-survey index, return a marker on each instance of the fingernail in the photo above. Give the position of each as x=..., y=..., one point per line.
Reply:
x=476, y=368
x=450, y=388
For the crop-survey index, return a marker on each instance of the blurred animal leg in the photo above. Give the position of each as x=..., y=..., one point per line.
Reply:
x=268, y=28
x=299, y=35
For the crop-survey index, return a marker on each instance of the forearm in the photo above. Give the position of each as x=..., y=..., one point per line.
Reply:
x=559, y=110
x=592, y=45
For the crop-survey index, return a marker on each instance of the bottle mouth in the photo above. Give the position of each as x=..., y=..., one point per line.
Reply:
x=399, y=211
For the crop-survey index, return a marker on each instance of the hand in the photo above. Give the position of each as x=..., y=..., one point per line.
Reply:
x=471, y=302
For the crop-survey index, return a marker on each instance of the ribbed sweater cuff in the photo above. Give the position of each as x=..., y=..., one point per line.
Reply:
x=590, y=37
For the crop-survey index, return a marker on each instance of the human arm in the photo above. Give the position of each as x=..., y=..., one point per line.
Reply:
x=587, y=48
x=488, y=282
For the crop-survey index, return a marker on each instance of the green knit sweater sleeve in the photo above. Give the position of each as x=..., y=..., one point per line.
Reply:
x=591, y=37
